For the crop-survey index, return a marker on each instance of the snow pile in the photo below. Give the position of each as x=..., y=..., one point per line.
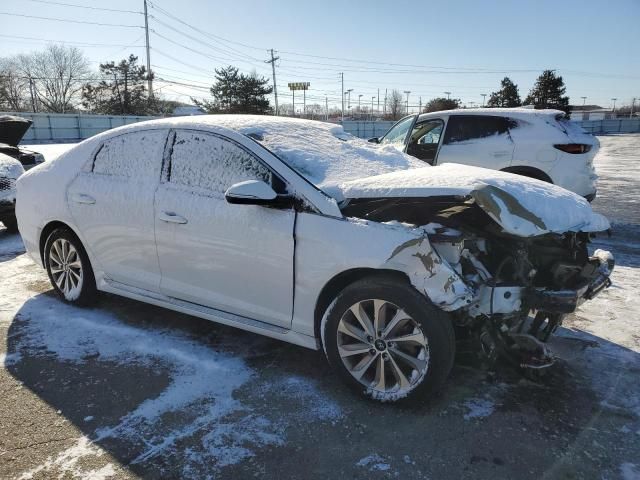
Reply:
x=478, y=408
x=374, y=462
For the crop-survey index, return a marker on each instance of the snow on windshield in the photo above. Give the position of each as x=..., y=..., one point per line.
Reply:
x=321, y=152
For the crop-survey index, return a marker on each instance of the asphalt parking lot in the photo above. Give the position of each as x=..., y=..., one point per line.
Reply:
x=128, y=390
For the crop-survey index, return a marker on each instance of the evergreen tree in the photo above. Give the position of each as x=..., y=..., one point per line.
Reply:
x=123, y=90
x=441, y=103
x=549, y=92
x=235, y=92
x=507, y=96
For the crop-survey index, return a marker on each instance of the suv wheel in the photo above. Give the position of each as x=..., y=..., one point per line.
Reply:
x=387, y=341
x=69, y=268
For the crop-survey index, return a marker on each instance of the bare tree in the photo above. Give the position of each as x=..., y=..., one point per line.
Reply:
x=57, y=75
x=395, y=105
x=14, y=89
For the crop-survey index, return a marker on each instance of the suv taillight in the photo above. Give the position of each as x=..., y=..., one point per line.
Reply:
x=574, y=147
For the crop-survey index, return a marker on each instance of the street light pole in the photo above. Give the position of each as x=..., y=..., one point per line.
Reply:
x=371, y=113
x=584, y=100
x=614, y=104
x=447, y=94
x=484, y=96
x=407, y=92
x=359, y=111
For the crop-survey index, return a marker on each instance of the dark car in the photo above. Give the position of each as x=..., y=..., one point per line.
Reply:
x=12, y=129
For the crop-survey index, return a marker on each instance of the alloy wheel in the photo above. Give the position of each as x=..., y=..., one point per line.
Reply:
x=66, y=268
x=382, y=346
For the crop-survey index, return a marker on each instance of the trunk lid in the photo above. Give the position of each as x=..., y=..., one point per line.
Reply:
x=12, y=129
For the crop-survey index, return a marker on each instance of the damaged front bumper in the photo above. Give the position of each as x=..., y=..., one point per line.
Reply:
x=566, y=301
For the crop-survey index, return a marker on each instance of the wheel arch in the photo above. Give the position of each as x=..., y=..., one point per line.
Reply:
x=46, y=231
x=531, y=172
x=343, y=279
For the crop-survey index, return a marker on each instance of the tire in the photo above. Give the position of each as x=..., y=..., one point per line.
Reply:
x=11, y=224
x=424, y=333
x=69, y=268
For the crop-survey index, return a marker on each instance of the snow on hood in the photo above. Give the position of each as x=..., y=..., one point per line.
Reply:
x=10, y=167
x=521, y=206
x=321, y=152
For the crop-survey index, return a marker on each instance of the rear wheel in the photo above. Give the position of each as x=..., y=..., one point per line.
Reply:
x=387, y=341
x=69, y=268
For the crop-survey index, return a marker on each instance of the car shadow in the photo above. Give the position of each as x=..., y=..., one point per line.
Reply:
x=169, y=395
x=10, y=245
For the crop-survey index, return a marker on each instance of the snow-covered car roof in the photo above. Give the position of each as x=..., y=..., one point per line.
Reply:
x=10, y=167
x=321, y=152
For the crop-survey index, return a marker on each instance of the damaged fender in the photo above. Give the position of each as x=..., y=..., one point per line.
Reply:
x=430, y=274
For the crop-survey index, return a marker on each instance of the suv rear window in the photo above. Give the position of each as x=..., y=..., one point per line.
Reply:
x=462, y=128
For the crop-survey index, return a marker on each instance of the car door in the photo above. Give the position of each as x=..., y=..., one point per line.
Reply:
x=111, y=202
x=235, y=258
x=480, y=140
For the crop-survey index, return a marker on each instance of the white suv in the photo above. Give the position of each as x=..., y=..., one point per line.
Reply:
x=541, y=144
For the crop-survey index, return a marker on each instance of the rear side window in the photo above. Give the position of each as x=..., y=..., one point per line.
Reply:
x=132, y=155
x=461, y=128
x=205, y=161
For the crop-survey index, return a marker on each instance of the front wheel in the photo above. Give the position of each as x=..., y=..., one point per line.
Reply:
x=69, y=268
x=387, y=340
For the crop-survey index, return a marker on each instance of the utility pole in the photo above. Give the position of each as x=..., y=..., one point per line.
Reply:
x=378, y=109
x=348, y=92
x=407, y=92
x=146, y=32
x=420, y=105
x=342, y=94
x=359, y=110
x=326, y=107
x=633, y=104
x=304, y=103
x=372, y=98
x=384, y=107
x=614, y=104
x=275, y=86
x=293, y=92
x=484, y=96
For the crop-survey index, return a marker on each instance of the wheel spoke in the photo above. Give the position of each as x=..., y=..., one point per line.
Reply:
x=353, y=349
x=379, y=314
x=76, y=264
x=363, y=365
x=379, y=380
x=363, y=319
x=403, y=382
x=412, y=337
x=413, y=362
x=393, y=323
x=55, y=269
x=352, y=331
x=59, y=280
x=58, y=253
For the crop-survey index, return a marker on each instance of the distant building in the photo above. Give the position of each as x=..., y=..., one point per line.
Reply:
x=188, y=110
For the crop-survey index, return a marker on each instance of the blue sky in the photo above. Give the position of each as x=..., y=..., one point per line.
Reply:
x=464, y=46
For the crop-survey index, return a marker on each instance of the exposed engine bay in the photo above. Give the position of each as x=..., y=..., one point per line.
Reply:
x=523, y=286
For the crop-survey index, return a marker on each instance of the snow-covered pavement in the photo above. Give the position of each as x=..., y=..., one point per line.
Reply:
x=126, y=390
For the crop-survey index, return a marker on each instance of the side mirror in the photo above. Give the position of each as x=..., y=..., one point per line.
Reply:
x=251, y=192
x=374, y=140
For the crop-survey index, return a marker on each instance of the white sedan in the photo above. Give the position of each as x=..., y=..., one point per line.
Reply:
x=295, y=230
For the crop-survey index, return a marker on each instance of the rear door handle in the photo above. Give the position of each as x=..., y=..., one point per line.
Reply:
x=83, y=198
x=171, y=217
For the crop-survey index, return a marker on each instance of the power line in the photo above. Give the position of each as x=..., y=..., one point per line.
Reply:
x=84, y=6
x=70, y=21
x=70, y=42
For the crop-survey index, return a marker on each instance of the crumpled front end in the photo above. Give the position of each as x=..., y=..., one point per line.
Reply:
x=510, y=291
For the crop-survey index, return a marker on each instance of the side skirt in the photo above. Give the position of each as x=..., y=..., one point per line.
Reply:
x=219, y=316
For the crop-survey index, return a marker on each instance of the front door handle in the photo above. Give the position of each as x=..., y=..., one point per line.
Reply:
x=83, y=198
x=171, y=217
